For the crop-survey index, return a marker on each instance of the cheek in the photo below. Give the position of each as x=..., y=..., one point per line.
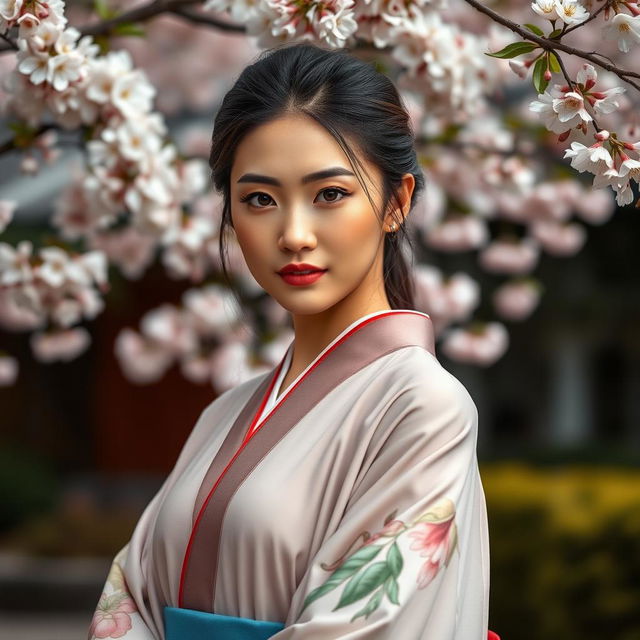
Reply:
x=253, y=242
x=355, y=234
x=248, y=228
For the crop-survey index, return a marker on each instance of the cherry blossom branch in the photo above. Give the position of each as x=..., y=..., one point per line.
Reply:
x=13, y=143
x=139, y=14
x=142, y=14
x=200, y=18
x=566, y=76
x=10, y=46
x=553, y=45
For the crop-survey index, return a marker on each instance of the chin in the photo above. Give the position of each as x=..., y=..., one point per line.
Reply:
x=305, y=307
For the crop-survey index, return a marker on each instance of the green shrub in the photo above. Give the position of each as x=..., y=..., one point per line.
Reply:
x=565, y=551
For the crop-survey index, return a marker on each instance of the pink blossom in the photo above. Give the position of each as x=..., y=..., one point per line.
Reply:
x=481, y=346
x=229, y=366
x=516, y=300
x=547, y=201
x=74, y=216
x=211, y=310
x=168, y=326
x=458, y=233
x=142, y=360
x=461, y=294
x=510, y=256
x=15, y=316
x=595, y=206
x=429, y=209
x=8, y=370
x=559, y=239
x=111, y=618
x=434, y=541
x=129, y=248
x=65, y=344
x=429, y=297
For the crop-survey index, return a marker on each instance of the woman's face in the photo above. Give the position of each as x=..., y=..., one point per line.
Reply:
x=282, y=213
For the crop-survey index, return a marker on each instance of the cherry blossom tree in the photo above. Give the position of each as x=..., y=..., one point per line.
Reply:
x=492, y=148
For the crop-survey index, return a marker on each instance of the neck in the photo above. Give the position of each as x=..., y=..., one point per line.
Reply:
x=314, y=332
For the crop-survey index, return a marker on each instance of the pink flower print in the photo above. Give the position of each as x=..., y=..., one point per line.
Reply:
x=112, y=619
x=435, y=537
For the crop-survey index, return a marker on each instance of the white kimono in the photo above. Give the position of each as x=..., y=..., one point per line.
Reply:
x=348, y=506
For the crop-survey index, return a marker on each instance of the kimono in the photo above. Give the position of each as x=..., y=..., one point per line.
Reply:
x=348, y=505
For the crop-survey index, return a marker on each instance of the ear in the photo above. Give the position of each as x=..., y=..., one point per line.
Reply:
x=405, y=191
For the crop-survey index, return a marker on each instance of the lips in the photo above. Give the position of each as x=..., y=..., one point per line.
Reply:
x=300, y=269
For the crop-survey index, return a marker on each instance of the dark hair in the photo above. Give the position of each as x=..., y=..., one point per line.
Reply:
x=350, y=99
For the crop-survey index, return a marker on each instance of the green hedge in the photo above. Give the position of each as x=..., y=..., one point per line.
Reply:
x=565, y=552
x=28, y=486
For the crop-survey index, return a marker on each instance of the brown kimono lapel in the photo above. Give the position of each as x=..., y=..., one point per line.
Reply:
x=238, y=456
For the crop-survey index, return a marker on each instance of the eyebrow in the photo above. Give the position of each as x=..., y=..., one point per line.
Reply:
x=311, y=177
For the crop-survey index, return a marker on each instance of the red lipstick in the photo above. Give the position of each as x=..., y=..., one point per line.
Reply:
x=301, y=273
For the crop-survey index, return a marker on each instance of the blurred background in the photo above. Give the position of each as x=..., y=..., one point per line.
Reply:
x=85, y=442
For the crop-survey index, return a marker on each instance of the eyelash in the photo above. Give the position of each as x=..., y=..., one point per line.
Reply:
x=344, y=193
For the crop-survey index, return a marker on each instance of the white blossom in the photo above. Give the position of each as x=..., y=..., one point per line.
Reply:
x=571, y=11
x=545, y=8
x=623, y=28
x=132, y=94
x=15, y=264
x=595, y=159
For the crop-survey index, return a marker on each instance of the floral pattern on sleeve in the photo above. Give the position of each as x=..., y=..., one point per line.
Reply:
x=434, y=537
x=112, y=617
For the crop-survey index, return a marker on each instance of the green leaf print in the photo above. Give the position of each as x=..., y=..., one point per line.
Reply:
x=394, y=558
x=344, y=571
x=371, y=606
x=391, y=587
x=364, y=583
x=112, y=601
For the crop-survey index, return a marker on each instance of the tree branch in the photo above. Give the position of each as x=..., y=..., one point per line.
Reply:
x=10, y=145
x=143, y=13
x=551, y=45
x=139, y=14
x=10, y=45
x=200, y=18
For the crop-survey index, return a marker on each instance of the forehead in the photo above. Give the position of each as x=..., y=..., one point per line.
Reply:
x=289, y=147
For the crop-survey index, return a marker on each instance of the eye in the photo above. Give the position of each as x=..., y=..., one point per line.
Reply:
x=342, y=192
x=252, y=195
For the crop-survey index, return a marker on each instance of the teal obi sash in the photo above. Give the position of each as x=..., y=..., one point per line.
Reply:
x=189, y=624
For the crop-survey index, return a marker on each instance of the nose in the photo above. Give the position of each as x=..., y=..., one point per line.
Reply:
x=296, y=231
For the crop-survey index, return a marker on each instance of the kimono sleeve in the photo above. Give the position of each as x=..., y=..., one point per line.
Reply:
x=122, y=610
x=409, y=558
x=116, y=615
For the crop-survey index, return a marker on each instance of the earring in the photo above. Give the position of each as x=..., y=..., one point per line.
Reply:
x=392, y=226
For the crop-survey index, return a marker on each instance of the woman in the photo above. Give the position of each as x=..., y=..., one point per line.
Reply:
x=338, y=495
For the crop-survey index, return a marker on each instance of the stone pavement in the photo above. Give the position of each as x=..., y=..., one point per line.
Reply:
x=49, y=598
x=25, y=626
